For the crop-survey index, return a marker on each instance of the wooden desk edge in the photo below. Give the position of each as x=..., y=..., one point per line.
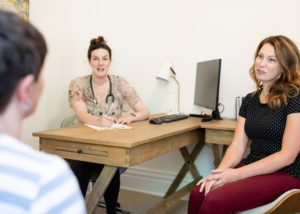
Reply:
x=45, y=135
x=225, y=124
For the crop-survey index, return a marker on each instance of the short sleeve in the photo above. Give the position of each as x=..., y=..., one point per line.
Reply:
x=57, y=177
x=244, y=106
x=294, y=104
x=76, y=90
x=128, y=92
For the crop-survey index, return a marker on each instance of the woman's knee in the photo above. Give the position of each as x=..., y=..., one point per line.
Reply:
x=212, y=203
x=195, y=200
x=195, y=194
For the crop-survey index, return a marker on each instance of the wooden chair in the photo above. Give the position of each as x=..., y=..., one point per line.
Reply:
x=101, y=203
x=67, y=123
x=288, y=202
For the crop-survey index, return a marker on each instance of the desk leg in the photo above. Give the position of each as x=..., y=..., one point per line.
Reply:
x=99, y=187
x=215, y=148
x=172, y=195
x=188, y=165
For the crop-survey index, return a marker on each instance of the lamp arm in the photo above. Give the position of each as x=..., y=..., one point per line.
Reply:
x=178, y=107
x=172, y=71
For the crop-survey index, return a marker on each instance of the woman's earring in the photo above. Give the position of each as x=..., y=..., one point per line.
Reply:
x=26, y=106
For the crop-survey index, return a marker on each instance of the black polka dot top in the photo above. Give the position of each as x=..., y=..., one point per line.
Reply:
x=265, y=126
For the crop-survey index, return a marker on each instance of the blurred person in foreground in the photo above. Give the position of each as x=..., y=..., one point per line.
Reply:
x=30, y=181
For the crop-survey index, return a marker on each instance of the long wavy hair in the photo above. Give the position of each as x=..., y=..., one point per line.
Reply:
x=288, y=84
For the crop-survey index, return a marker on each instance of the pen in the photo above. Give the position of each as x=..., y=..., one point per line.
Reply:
x=111, y=106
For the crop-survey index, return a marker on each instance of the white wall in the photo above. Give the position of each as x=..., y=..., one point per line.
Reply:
x=143, y=35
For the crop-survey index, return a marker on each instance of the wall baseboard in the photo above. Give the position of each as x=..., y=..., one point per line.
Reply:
x=150, y=181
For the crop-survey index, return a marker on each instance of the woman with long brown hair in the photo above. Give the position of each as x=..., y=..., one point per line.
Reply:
x=270, y=117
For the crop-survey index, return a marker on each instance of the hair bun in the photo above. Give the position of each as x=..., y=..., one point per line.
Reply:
x=98, y=41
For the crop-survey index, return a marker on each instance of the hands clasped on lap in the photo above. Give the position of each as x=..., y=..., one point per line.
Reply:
x=217, y=178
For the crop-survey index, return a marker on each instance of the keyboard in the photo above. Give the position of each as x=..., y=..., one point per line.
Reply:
x=172, y=117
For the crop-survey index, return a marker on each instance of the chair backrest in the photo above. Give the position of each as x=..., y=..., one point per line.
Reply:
x=67, y=122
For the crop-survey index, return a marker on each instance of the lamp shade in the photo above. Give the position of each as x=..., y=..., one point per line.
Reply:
x=164, y=76
x=165, y=73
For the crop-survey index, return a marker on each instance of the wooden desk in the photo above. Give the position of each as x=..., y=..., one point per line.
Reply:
x=219, y=132
x=128, y=148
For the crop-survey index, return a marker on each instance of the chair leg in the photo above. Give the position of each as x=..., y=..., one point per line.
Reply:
x=102, y=203
x=118, y=208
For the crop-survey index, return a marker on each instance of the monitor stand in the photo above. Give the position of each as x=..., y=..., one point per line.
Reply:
x=215, y=116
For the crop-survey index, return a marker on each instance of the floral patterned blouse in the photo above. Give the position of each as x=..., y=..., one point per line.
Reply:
x=125, y=97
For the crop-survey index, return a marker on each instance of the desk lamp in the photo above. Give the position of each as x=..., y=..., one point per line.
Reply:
x=166, y=73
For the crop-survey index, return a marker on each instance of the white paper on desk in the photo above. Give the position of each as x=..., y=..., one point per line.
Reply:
x=114, y=126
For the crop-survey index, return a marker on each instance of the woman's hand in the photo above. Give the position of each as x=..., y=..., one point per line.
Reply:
x=224, y=176
x=107, y=121
x=126, y=119
x=218, y=178
x=206, y=183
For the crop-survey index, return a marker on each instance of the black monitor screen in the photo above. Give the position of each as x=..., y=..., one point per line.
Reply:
x=207, y=84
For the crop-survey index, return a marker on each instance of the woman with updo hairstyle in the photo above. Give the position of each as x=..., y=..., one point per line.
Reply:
x=270, y=118
x=102, y=99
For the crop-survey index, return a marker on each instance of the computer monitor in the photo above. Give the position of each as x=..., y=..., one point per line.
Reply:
x=207, y=86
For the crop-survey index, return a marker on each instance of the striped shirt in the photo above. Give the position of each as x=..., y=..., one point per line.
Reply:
x=35, y=182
